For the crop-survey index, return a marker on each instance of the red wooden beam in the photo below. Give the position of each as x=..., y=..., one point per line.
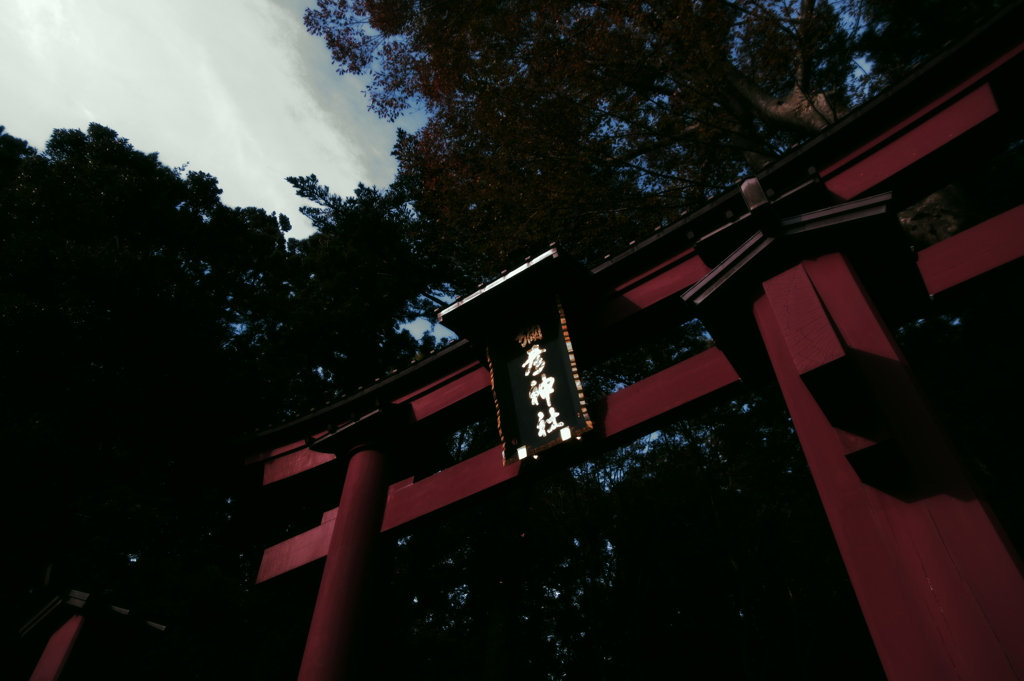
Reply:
x=450, y=390
x=909, y=122
x=975, y=251
x=425, y=402
x=659, y=283
x=462, y=480
x=625, y=410
x=635, y=405
x=898, y=153
x=665, y=280
x=296, y=551
x=277, y=451
x=292, y=464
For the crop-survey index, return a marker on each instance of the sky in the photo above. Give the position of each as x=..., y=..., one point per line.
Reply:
x=235, y=88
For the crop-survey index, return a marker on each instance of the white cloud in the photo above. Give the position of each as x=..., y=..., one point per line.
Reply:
x=234, y=87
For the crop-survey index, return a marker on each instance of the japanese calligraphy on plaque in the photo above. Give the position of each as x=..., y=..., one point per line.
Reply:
x=537, y=387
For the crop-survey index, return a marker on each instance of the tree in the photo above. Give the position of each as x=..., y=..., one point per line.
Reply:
x=354, y=282
x=902, y=35
x=587, y=122
x=146, y=328
x=124, y=280
x=12, y=152
x=123, y=286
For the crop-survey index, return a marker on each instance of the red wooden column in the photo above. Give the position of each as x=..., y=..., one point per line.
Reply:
x=329, y=646
x=940, y=588
x=57, y=651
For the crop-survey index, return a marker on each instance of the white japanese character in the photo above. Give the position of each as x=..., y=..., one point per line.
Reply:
x=534, y=363
x=553, y=423
x=541, y=426
x=542, y=390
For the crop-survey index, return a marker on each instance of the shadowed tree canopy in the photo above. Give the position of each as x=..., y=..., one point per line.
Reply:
x=356, y=279
x=124, y=280
x=588, y=121
x=147, y=326
x=124, y=289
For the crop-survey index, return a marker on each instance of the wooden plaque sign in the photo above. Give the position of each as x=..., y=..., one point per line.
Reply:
x=536, y=386
x=520, y=319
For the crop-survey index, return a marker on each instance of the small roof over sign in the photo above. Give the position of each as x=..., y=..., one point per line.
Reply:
x=553, y=272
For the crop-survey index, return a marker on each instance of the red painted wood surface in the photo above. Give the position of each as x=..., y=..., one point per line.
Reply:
x=942, y=594
x=329, y=645
x=626, y=409
x=665, y=280
x=446, y=392
x=296, y=551
x=810, y=338
x=283, y=449
x=425, y=402
x=657, y=284
x=57, y=650
x=656, y=395
x=453, y=484
x=981, y=248
x=913, y=119
x=914, y=144
x=292, y=464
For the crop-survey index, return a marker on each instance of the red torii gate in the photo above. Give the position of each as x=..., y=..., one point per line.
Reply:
x=795, y=274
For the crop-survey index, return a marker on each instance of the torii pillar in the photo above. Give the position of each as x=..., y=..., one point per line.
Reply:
x=940, y=587
x=332, y=632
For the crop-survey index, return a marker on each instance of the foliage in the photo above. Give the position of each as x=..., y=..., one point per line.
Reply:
x=146, y=327
x=361, y=275
x=592, y=122
x=579, y=122
x=904, y=33
x=122, y=285
x=121, y=282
